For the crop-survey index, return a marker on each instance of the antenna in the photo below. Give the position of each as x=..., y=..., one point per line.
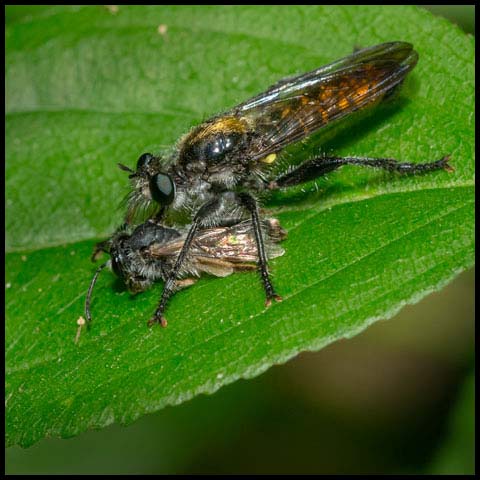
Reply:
x=90, y=289
x=123, y=167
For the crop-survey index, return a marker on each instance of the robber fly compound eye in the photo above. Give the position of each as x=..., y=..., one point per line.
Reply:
x=144, y=161
x=162, y=189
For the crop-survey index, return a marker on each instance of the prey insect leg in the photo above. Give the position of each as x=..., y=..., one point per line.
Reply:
x=206, y=211
x=319, y=166
x=249, y=203
x=104, y=246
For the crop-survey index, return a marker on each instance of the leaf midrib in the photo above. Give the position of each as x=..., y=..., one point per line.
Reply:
x=325, y=205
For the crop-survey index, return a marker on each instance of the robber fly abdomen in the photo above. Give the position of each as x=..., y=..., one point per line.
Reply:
x=220, y=166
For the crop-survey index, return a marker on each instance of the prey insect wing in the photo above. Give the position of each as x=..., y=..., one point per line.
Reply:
x=232, y=245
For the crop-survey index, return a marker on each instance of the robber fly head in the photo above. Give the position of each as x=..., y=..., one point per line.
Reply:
x=152, y=187
x=158, y=185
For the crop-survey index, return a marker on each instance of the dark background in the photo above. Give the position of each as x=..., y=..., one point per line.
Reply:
x=391, y=400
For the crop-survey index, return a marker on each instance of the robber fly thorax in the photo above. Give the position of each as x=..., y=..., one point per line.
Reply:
x=211, y=159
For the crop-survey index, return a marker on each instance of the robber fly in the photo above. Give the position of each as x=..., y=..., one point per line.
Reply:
x=148, y=253
x=221, y=166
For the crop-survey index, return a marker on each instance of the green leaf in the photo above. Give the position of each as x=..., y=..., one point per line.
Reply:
x=87, y=87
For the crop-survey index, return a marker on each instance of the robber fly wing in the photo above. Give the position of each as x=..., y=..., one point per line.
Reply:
x=297, y=106
x=284, y=88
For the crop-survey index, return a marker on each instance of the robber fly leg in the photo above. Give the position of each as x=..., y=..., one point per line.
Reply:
x=319, y=166
x=169, y=287
x=248, y=202
x=201, y=218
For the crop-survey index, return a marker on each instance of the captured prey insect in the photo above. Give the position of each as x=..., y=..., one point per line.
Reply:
x=222, y=166
x=148, y=253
